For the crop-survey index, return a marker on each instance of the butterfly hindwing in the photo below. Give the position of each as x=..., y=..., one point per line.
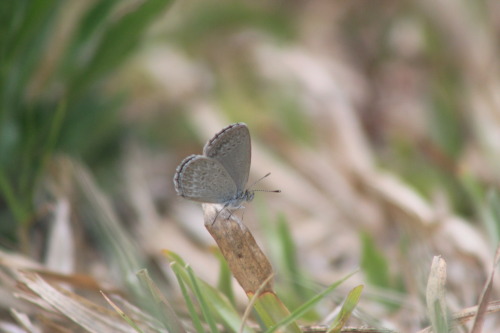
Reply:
x=204, y=179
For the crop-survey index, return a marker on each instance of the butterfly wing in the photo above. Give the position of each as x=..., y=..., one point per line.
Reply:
x=232, y=148
x=204, y=179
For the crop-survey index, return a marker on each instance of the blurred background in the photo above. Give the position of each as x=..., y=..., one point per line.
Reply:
x=379, y=122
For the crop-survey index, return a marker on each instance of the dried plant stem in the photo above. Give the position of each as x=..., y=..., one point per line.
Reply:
x=246, y=260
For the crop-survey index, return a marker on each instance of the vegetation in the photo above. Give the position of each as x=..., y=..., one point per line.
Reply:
x=379, y=123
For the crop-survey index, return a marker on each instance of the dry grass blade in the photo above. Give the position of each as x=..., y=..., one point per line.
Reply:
x=466, y=315
x=436, y=302
x=250, y=305
x=75, y=280
x=61, y=245
x=324, y=329
x=24, y=320
x=92, y=317
x=401, y=197
x=485, y=296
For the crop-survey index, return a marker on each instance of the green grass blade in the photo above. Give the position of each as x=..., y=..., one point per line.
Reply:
x=15, y=205
x=273, y=313
x=374, y=264
x=24, y=47
x=205, y=309
x=290, y=259
x=346, y=310
x=174, y=257
x=122, y=314
x=216, y=300
x=86, y=31
x=33, y=15
x=299, y=312
x=162, y=309
x=177, y=269
x=118, y=40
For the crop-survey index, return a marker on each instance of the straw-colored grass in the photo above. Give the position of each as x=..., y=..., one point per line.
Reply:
x=379, y=123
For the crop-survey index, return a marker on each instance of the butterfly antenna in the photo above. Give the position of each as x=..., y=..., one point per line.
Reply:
x=258, y=180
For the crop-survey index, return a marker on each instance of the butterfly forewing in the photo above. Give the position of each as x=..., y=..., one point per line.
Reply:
x=204, y=179
x=232, y=148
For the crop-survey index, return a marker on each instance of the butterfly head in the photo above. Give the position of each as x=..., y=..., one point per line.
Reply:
x=248, y=195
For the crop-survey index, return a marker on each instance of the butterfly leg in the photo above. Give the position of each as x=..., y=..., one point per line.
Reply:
x=229, y=211
x=220, y=211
